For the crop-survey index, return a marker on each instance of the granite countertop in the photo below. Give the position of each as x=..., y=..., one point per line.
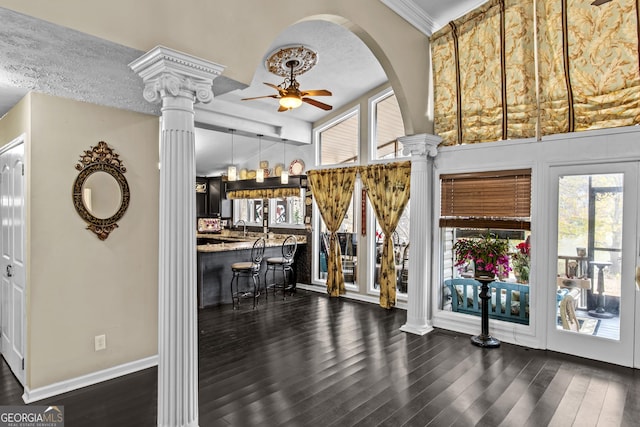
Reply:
x=234, y=242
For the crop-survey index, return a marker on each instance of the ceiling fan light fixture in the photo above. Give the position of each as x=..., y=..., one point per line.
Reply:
x=290, y=102
x=289, y=63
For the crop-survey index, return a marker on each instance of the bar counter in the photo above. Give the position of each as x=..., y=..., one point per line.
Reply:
x=215, y=259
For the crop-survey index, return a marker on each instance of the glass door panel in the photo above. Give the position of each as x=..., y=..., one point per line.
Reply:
x=593, y=226
x=589, y=248
x=401, y=252
x=347, y=239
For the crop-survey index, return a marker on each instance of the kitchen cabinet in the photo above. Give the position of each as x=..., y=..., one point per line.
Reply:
x=202, y=201
x=219, y=205
x=211, y=200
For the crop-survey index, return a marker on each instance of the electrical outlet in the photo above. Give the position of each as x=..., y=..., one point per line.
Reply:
x=100, y=342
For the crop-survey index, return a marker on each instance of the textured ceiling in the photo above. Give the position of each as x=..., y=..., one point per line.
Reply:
x=44, y=57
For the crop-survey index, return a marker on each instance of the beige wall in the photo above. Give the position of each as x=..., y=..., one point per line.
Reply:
x=238, y=34
x=78, y=286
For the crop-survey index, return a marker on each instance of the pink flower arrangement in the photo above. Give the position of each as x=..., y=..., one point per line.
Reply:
x=488, y=253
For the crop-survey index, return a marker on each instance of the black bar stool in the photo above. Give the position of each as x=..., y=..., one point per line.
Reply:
x=248, y=269
x=284, y=264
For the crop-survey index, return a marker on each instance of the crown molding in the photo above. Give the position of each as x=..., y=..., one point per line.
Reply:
x=161, y=59
x=413, y=14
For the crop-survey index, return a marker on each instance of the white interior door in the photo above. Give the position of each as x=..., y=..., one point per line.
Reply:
x=12, y=269
x=593, y=224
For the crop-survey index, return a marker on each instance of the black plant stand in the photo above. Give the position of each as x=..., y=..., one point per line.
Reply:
x=484, y=339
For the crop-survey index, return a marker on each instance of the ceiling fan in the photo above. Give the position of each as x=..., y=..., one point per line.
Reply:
x=289, y=94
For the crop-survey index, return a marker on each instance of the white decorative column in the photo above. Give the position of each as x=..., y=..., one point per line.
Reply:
x=178, y=81
x=420, y=231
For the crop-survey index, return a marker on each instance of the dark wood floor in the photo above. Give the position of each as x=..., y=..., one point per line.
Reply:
x=312, y=361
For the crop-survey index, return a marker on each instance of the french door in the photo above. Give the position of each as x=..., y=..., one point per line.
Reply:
x=593, y=254
x=12, y=264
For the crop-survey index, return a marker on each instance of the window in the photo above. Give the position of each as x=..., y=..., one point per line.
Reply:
x=288, y=212
x=248, y=210
x=387, y=126
x=339, y=141
x=474, y=205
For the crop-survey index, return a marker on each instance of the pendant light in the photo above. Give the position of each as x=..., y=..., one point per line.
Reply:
x=284, y=175
x=231, y=170
x=260, y=171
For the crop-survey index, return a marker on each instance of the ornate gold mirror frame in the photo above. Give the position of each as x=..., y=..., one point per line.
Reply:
x=100, y=158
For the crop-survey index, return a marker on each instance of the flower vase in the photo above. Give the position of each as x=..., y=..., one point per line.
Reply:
x=484, y=274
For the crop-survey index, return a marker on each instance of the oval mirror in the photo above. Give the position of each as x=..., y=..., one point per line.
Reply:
x=101, y=192
x=101, y=195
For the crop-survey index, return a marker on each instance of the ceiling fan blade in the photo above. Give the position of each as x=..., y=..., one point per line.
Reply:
x=316, y=92
x=599, y=2
x=317, y=104
x=278, y=88
x=260, y=97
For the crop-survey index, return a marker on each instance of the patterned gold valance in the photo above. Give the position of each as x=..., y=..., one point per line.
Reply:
x=592, y=66
x=264, y=193
x=485, y=70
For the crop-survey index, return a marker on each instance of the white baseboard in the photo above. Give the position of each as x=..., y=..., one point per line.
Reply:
x=468, y=324
x=370, y=298
x=88, y=379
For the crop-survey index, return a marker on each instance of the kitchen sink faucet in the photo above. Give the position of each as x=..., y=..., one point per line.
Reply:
x=244, y=224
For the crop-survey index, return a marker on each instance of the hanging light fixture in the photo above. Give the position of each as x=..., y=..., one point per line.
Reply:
x=284, y=175
x=231, y=170
x=260, y=171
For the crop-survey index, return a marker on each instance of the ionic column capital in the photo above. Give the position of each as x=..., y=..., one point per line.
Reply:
x=420, y=145
x=167, y=72
x=169, y=84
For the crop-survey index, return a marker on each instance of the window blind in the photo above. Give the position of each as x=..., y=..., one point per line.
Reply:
x=498, y=199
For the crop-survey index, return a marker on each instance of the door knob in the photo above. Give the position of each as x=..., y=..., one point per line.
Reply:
x=10, y=271
x=638, y=277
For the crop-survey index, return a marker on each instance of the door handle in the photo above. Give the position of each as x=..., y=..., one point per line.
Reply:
x=638, y=278
x=10, y=271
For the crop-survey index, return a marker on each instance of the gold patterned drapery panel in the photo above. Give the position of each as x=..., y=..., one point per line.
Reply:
x=479, y=48
x=264, y=193
x=445, y=92
x=332, y=190
x=388, y=188
x=553, y=91
x=520, y=70
x=603, y=63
